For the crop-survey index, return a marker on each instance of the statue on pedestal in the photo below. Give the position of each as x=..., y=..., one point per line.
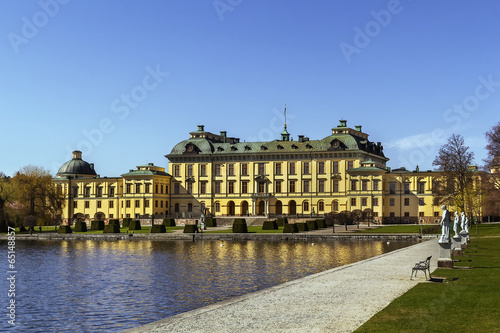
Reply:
x=466, y=224
x=462, y=224
x=456, y=223
x=445, y=226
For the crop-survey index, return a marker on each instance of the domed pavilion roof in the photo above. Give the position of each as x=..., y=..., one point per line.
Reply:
x=76, y=167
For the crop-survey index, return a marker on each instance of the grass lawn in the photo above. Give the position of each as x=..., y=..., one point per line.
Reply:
x=251, y=229
x=466, y=301
x=412, y=228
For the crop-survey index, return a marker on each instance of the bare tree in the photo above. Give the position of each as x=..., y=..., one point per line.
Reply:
x=453, y=160
x=493, y=148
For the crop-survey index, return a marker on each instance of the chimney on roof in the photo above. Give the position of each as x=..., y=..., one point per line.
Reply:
x=358, y=128
x=92, y=166
x=201, y=128
x=301, y=138
x=343, y=123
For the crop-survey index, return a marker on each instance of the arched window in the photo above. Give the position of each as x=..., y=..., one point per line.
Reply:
x=176, y=208
x=217, y=206
x=190, y=207
x=305, y=206
x=321, y=206
x=335, y=206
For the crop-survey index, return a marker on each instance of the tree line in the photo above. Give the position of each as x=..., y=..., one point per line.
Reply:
x=29, y=198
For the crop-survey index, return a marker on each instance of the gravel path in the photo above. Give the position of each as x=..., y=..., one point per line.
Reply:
x=337, y=300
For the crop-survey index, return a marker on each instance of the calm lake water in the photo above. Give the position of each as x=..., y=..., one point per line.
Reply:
x=89, y=285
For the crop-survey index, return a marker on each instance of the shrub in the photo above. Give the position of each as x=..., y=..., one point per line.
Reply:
x=431, y=230
x=290, y=228
x=240, y=226
x=312, y=225
x=321, y=223
x=64, y=229
x=97, y=225
x=114, y=221
x=158, y=229
x=302, y=226
x=169, y=222
x=211, y=222
x=282, y=221
x=270, y=225
x=111, y=229
x=80, y=226
x=134, y=225
x=190, y=228
x=126, y=222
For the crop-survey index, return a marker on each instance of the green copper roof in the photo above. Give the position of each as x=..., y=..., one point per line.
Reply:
x=338, y=142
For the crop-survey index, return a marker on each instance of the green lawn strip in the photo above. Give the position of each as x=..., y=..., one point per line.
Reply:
x=251, y=229
x=466, y=300
x=396, y=229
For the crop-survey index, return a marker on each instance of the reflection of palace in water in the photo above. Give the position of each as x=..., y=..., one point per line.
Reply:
x=227, y=177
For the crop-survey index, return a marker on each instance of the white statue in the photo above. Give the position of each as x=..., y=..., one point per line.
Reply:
x=456, y=223
x=466, y=224
x=462, y=224
x=445, y=226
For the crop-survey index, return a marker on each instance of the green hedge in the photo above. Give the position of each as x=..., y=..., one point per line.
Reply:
x=64, y=229
x=312, y=225
x=80, y=226
x=282, y=221
x=290, y=228
x=190, y=228
x=114, y=221
x=321, y=223
x=158, y=229
x=169, y=222
x=111, y=229
x=97, y=225
x=302, y=226
x=126, y=222
x=134, y=225
x=240, y=226
x=270, y=225
x=210, y=222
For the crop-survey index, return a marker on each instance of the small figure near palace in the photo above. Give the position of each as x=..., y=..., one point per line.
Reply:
x=445, y=226
x=456, y=223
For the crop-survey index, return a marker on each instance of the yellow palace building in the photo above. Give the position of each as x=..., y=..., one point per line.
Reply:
x=222, y=176
x=139, y=193
x=343, y=171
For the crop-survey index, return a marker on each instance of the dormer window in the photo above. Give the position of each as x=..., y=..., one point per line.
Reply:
x=248, y=148
x=280, y=147
x=233, y=148
x=220, y=149
x=294, y=146
x=263, y=147
x=308, y=146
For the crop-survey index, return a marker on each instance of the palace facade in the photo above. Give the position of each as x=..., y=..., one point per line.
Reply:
x=139, y=193
x=343, y=171
x=222, y=176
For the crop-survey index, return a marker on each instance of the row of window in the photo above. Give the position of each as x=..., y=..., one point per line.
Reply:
x=137, y=204
x=128, y=189
x=406, y=188
x=261, y=168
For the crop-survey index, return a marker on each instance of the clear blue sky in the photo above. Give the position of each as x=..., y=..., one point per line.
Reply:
x=124, y=81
